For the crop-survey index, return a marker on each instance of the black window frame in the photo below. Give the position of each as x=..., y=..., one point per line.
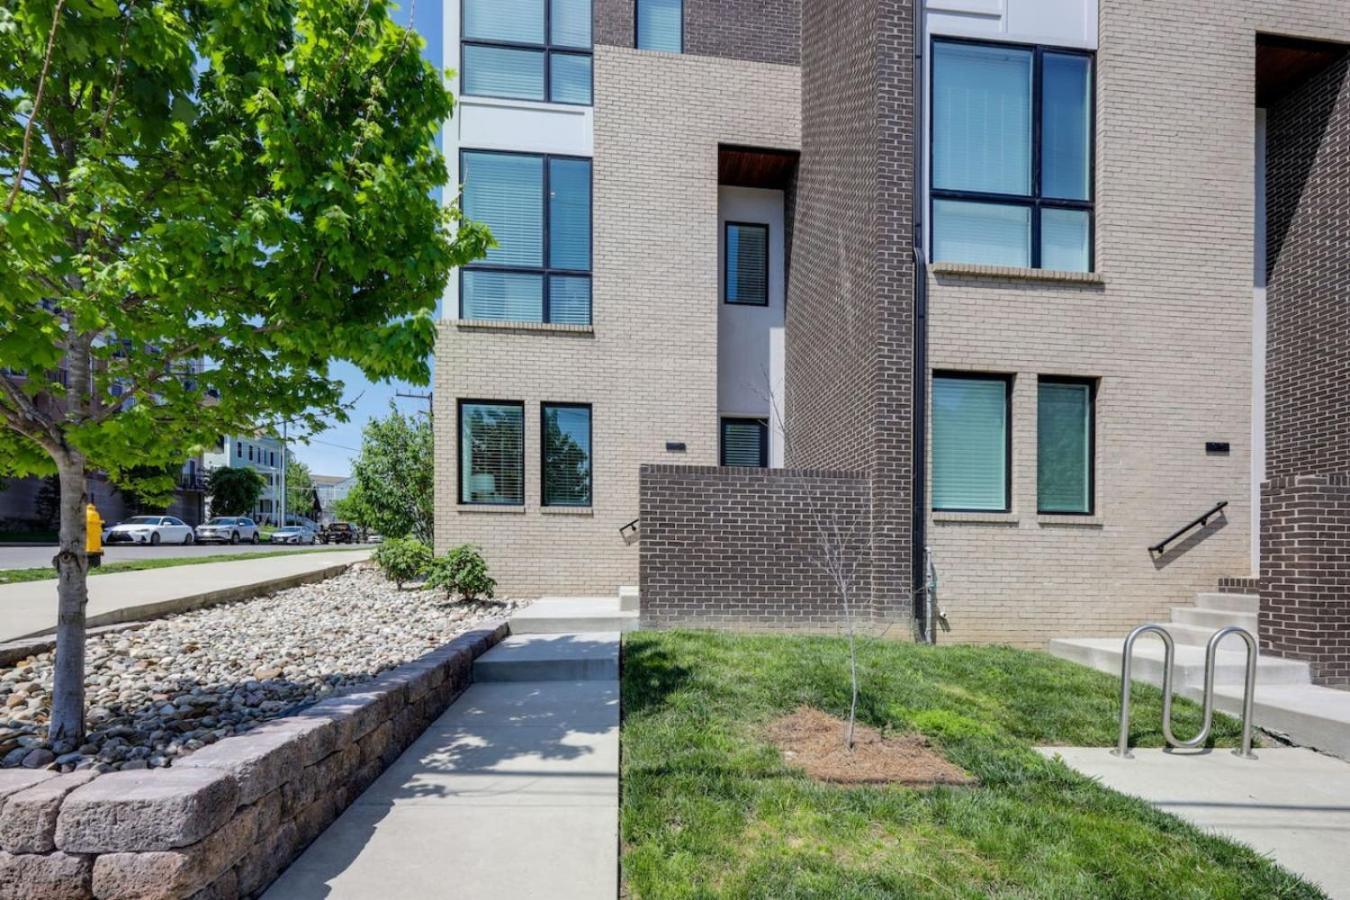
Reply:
x=726, y=259
x=1091, y=385
x=459, y=454
x=762, y=423
x=547, y=270
x=544, y=407
x=1009, y=382
x=548, y=48
x=1034, y=201
x=637, y=29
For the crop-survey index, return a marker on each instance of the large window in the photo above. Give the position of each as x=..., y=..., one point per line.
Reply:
x=491, y=453
x=1064, y=436
x=567, y=454
x=528, y=50
x=971, y=443
x=745, y=258
x=539, y=210
x=1012, y=156
x=745, y=442
x=660, y=25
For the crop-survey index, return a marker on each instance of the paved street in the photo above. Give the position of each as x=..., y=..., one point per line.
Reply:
x=33, y=557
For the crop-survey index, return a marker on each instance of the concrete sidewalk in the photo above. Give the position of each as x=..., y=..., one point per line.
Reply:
x=29, y=609
x=1290, y=803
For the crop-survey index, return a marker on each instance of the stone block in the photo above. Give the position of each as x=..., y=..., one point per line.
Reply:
x=150, y=809
x=28, y=818
x=259, y=761
x=226, y=887
x=317, y=734
x=47, y=876
x=268, y=856
x=375, y=743
x=175, y=874
x=14, y=780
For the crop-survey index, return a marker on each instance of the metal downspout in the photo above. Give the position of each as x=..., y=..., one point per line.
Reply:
x=923, y=614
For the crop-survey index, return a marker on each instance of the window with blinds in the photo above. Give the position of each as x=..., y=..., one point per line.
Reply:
x=567, y=454
x=660, y=25
x=528, y=50
x=745, y=269
x=539, y=211
x=1012, y=155
x=971, y=444
x=491, y=453
x=745, y=442
x=1064, y=451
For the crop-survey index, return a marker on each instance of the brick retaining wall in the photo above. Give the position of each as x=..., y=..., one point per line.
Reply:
x=224, y=821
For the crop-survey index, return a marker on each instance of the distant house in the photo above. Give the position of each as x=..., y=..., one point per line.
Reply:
x=330, y=489
x=264, y=455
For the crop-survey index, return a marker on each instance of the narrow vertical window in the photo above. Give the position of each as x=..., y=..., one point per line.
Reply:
x=745, y=257
x=745, y=442
x=971, y=443
x=567, y=454
x=1064, y=446
x=660, y=25
x=491, y=453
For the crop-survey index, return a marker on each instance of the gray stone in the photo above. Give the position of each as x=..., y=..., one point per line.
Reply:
x=174, y=874
x=315, y=733
x=36, y=759
x=260, y=761
x=159, y=809
x=14, y=780
x=28, y=818
x=268, y=857
x=48, y=876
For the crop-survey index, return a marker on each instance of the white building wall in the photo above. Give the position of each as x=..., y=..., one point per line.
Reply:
x=744, y=370
x=1061, y=23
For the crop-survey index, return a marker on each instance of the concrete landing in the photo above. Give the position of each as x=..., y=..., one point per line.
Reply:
x=512, y=793
x=570, y=615
x=591, y=656
x=1291, y=804
x=1103, y=654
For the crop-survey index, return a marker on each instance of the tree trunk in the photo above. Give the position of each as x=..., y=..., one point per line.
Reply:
x=72, y=591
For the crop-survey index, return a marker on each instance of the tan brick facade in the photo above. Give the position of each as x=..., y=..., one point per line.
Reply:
x=648, y=366
x=1167, y=332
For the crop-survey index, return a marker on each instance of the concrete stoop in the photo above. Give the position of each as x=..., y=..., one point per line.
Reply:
x=582, y=656
x=571, y=615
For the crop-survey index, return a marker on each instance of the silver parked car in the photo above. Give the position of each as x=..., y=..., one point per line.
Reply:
x=151, y=530
x=295, y=534
x=229, y=529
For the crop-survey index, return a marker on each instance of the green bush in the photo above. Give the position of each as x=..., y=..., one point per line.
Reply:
x=402, y=559
x=462, y=571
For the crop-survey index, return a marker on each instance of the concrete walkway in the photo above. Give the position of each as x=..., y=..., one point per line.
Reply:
x=512, y=793
x=1290, y=803
x=29, y=609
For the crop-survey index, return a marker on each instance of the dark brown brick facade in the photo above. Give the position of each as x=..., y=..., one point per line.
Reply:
x=739, y=548
x=1305, y=505
x=757, y=30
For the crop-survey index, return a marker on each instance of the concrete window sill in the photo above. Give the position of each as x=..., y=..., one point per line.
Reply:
x=491, y=325
x=491, y=510
x=570, y=109
x=1013, y=273
x=566, y=511
x=943, y=517
x=1069, y=521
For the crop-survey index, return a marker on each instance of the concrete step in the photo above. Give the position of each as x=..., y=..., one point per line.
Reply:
x=584, y=656
x=1306, y=714
x=1194, y=635
x=1241, y=603
x=568, y=615
x=1103, y=654
x=1214, y=619
x=630, y=598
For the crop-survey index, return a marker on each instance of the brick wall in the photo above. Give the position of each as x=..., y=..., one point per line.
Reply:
x=757, y=30
x=1305, y=573
x=740, y=548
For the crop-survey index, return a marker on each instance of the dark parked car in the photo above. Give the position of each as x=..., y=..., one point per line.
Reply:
x=338, y=533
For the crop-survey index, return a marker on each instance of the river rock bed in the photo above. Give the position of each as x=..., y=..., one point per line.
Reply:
x=176, y=684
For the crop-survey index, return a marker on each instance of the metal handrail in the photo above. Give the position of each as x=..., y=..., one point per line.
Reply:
x=1169, y=654
x=1199, y=520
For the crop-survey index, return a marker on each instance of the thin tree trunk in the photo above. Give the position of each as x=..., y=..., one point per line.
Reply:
x=72, y=564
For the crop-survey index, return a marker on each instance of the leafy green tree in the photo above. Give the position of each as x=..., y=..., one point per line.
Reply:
x=395, y=477
x=202, y=204
x=299, y=489
x=233, y=491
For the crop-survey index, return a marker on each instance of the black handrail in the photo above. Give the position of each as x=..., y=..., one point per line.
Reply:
x=1200, y=520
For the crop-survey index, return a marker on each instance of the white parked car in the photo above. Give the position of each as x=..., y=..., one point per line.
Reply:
x=295, y=534
x=151, y=530
x=229, y=529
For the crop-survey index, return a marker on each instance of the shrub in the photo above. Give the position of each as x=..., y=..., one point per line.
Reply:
x=462, y=571
x=402, y=559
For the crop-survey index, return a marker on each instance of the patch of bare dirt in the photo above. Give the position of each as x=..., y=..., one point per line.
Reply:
x=814, y=741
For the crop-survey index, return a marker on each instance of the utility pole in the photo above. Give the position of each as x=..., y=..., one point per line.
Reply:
x=284, y=445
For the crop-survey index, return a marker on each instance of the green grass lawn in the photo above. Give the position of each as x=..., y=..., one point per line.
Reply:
x=14, y=576
x=710, y=810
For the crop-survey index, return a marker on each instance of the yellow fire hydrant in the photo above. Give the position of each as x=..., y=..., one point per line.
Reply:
x=93, y=536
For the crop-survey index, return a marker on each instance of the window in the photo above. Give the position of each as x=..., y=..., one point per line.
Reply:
x=1064, y=446
x=746, y=264
x=250, y=453
x=1012, y=156
x=239, y=449
x=567, y=454
x=660, y=25
x=539, y=210
x=491, y=453
x=528, y=50
x=745, y=442
x=972, y=443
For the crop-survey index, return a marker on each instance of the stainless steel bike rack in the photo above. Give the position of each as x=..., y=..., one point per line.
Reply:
x=1169, y=654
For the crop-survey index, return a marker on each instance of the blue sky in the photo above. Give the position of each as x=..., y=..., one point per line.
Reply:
x=331, y=452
